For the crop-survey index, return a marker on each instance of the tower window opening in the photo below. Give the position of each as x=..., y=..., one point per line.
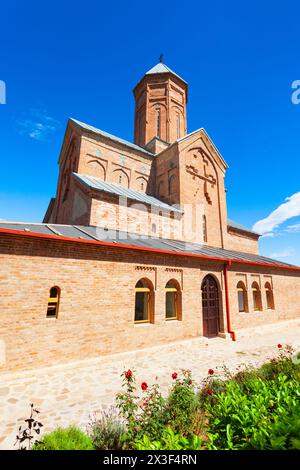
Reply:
x=177, y=126
x=158, y=123
x=204, y=228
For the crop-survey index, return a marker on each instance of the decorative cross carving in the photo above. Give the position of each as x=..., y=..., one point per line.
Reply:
x=122, y=160
x=209, y=180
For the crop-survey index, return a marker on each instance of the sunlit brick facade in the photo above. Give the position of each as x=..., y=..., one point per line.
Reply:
x=67, y=293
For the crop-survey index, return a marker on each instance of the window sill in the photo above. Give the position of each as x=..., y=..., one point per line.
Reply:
x=142, y=323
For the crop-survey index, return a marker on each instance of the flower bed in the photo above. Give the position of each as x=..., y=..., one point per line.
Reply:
x=254, y=408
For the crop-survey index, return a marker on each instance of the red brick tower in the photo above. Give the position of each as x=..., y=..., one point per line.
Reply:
x=160, y=106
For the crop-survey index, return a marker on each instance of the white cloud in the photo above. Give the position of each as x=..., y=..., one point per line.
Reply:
x=284, y=254
x=293, y=228
x=290, y=208
x=268, y=235
x=39, y=126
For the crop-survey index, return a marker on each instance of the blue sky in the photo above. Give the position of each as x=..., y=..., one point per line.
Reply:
x=82, y=59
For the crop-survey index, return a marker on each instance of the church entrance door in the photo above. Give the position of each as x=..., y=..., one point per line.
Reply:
x=210, y=307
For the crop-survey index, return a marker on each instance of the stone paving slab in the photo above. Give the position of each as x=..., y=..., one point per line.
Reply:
x=69, y=393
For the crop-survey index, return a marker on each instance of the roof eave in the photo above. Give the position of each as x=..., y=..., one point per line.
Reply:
x=111, y=138
x=157, y=250
x=244, y=231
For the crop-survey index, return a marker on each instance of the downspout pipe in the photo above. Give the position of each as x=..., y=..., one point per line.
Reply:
x=230, y=331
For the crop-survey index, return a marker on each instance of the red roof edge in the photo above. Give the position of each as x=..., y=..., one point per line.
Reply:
x=140, y=248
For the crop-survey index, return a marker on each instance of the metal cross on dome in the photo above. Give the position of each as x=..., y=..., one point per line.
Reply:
x=161, y=58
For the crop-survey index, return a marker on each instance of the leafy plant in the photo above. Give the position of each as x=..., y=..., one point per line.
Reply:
x=153, y=416
x=127, y=404
x=169, y=441
x=107, y=431
x=25, y=435
x=71, y=438
x=182, y=404
x=264, y=415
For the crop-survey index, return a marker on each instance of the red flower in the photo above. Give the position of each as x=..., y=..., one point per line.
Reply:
x=211, y=371
x=144, y=386
x=279, y=346
x=128, y=374
x=209, y=391
x=174, y=375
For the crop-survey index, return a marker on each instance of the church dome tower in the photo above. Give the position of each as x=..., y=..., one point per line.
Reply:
x=160, y=106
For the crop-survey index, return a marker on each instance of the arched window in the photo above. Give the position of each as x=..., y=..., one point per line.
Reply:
x=172, y=184
x=269, y=296
x=53, y=302
x=120, y=177
x=160, y=188
x=158, y=122
x=177, y=126
x=143, y=301
x=173, y=301
x=256, y=296
x=242, y=297
x=204, y=228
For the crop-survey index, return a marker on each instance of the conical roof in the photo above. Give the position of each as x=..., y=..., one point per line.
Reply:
x=162, y=68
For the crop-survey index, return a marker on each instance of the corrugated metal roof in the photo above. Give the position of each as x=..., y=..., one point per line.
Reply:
x=163, y=68
x=97, y=183
x=112, y=137
x=134, y=240
x=232, y=223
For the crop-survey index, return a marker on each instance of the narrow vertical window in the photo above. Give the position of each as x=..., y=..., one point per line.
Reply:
x=242, y=297
x=172, y=184
x=143, y=301
x=257, y=305
x=173, y=301
x=177, y=126
x=269, y=296
x=158, y=123
x=53, y=302
x=204, y=228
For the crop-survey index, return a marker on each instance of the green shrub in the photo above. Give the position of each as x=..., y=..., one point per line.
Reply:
x=181, y=406
x=264, y=414
x=70, y=438
x=107, y=431
x=150, y=415
x=169, y=441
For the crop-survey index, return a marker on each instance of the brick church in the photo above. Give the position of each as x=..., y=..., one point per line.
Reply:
x=136, y=248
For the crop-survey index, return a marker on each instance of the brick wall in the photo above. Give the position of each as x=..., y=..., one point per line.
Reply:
x=96, y=314
x=238, y=242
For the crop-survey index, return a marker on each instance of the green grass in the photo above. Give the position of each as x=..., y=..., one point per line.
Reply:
x=70, y=438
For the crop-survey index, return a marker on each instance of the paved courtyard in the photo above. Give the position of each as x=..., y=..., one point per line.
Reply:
x=69, y=393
